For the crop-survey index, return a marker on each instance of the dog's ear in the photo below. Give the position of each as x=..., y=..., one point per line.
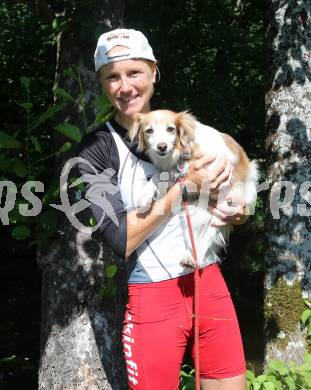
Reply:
x=186, y=124
x=135, y=131
x=134, y=127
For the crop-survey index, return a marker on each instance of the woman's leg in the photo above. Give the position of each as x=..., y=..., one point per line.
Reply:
x=153, y=356
x=155, y=334
x=222, y=363
x=234, y=383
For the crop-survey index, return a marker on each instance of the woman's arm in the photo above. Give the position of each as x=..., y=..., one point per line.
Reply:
x=141, y=225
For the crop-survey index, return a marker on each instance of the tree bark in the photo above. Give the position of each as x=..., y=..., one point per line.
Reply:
x=81, y=329
x=288, y=225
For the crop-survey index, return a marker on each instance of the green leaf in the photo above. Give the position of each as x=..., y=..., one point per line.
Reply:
x=55, y=24
x=290, y=383
x=306, y=375
x=307, y=358
x=268, y=386
x=25, y=81
x=64, y=94
x=92, y=221
x=8, y=142
x=7, y=359
x=250, y=376
x=306, y=315
x=261, y=378
x=36, y=144
x=21, y=232
x=278, y=366
x=65, y=147
x=20, y=168
x=103, y=107
x=49, y=113
x=307, y=303
x=108, y=289
x=111, y=270
x=72, y=132
x=26, y=105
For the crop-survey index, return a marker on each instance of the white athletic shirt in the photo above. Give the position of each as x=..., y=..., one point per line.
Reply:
x=159, y=257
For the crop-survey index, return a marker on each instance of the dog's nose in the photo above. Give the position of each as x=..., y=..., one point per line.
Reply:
x=162, y=147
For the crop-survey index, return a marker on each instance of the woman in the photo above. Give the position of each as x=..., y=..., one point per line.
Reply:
x=158, y=320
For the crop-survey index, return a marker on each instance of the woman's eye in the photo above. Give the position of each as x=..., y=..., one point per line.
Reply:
x=135, y=73
x=149, y=131
x=111, y=77
x=170, y=129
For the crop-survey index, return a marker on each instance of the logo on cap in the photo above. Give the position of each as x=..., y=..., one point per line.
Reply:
x=120, y=35
x=118, y=56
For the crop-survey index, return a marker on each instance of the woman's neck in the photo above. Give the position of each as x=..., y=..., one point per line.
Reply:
x=124, y=121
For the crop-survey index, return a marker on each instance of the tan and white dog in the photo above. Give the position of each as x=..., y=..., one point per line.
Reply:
x=173, y=141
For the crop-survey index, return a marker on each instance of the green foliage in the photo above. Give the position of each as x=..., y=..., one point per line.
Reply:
x=8, y=142
x=72, y=132
x=109, y=287
x=24, y=167
x=31, y=161
x=279, y=376
x=26, y=43
x=21, y=232
x=306, y=320
x=187, y=379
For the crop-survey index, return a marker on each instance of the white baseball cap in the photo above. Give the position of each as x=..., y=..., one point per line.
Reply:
x=135, y=44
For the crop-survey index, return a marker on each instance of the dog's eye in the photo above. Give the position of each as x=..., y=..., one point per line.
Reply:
x=170, y=129
x=149, y=131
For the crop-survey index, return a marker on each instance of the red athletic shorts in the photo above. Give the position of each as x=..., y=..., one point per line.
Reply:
x=158, y=327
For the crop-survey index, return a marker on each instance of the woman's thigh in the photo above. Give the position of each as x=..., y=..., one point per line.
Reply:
x=220, y=343
x=153, y=354
x=156, y=330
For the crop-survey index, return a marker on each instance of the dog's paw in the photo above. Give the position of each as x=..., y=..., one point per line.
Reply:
x=144, y=201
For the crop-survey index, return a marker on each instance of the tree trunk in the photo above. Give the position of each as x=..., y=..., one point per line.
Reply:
x=288, y=225
x=81, y=329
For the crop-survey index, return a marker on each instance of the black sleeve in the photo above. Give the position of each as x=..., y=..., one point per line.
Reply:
x=100, y=174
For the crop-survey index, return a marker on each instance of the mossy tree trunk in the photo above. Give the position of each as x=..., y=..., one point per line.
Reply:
x=288, y=225
x=81, y=330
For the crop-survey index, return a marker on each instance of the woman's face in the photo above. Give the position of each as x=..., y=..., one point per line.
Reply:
x=128, y=85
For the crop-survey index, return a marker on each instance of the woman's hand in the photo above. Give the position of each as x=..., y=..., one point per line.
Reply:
x=230, y=211
x=209, y=179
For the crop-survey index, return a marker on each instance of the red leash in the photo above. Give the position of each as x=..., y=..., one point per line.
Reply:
x=196, y=295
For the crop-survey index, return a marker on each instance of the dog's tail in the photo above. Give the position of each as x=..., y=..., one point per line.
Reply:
x=253, y=171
